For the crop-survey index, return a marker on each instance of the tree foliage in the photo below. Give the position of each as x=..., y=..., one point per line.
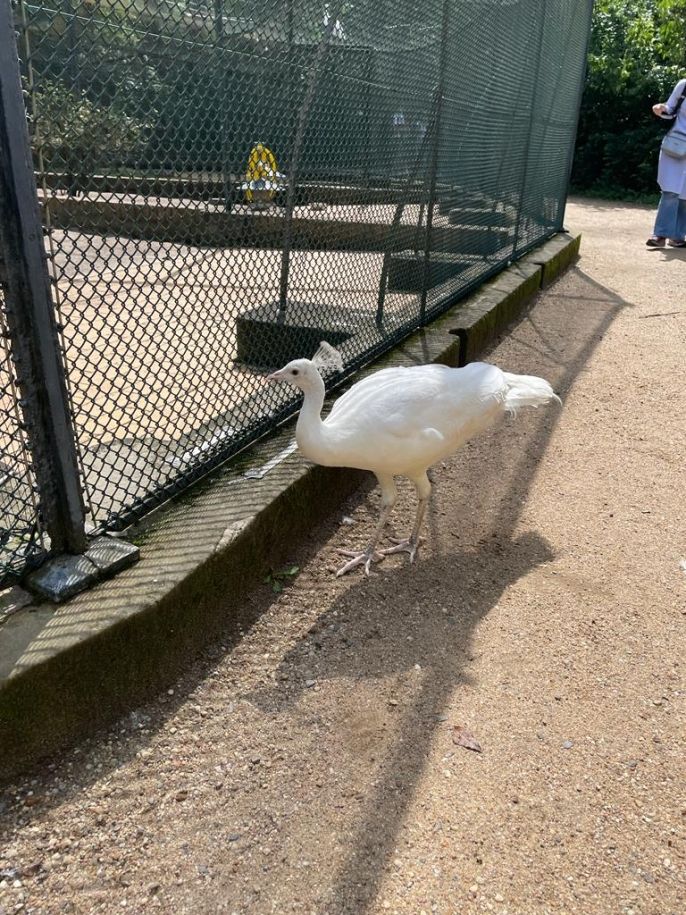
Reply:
x=71, y=130
x=636, y=56
x=178, y=85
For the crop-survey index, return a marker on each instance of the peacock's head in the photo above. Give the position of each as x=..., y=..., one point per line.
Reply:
x=305, y=373
x=301, y=373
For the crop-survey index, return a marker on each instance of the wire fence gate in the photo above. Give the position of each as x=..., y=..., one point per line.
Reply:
x=195, y=191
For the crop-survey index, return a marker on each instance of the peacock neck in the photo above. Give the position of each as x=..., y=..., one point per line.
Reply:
x=310, y=432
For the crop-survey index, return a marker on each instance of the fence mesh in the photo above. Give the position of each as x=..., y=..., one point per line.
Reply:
x=224, y=183
x=21, y=537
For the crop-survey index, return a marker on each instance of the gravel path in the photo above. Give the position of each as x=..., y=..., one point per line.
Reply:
x=309, y=763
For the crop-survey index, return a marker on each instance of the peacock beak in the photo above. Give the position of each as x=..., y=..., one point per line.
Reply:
x=275, y=376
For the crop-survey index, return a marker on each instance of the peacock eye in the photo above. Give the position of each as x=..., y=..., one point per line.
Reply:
x=295, y=371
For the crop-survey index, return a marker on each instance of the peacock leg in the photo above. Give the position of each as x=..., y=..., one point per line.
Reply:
x=411, y=544
x=371, y=554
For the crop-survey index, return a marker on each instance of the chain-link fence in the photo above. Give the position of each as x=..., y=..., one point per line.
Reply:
x=221, y=184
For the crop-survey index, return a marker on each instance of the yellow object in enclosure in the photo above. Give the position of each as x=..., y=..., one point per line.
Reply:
x=262, y=177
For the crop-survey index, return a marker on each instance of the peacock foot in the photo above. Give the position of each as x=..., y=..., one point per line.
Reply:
x=366, y=558
x=409, y=545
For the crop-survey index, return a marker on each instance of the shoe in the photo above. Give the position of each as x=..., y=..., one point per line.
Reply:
x=656, y=241
x=677, y=243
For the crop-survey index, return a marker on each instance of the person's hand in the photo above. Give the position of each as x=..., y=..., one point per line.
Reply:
x=659, y=109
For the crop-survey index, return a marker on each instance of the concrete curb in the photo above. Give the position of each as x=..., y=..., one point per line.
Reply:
x=67, y=669
x=484, y=315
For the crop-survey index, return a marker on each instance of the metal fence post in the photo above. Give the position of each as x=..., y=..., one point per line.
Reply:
x=527, y=145
x=31, y=315
x=579, y=98
x=220, y=52
x=435, y=149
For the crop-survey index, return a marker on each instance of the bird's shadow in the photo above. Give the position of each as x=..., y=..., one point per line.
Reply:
x=444, y=598
x=420, y=645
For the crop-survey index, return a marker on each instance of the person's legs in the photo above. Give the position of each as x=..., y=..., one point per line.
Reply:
x=681, y=220
x=666, y=218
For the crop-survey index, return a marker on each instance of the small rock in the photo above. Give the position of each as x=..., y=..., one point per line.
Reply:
x=234, y=837
x=181, y=795
x=567, y=745
x=310, y=683
x=499, y=898
x=153, y=889
x=10, y=873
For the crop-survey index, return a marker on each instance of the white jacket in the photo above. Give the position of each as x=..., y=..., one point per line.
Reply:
x=671, y=172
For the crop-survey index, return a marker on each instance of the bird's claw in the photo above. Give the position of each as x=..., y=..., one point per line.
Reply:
x=358, y=558
x=408, y=545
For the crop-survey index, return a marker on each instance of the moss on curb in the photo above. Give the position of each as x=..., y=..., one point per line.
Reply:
x=486, y=314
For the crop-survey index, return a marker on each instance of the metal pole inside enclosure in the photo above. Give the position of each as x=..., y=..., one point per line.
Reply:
x=33, y=331
x=400, y=208
x=299, y=139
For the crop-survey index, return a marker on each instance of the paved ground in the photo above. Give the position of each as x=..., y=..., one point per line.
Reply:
x=308, y=763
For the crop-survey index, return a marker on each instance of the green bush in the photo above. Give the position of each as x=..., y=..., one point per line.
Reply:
x=75, y=135
x=636, y=56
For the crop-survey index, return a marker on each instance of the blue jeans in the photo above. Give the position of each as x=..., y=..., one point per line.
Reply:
x=670, y=221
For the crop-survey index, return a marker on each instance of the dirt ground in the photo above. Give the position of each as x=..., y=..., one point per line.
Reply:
x=308, y=763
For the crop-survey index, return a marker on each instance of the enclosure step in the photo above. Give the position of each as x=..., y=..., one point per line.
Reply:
x=457, y=198
x=406, y=270
x=268, y=339
x=479, y=216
